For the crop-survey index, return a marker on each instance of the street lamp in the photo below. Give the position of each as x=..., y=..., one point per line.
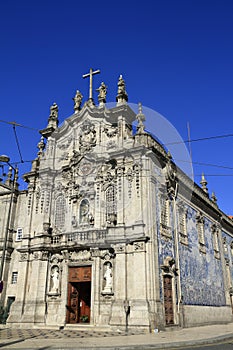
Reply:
x=6, y=159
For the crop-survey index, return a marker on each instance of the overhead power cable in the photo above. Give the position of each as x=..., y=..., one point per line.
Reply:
x=17, y=142
x=16, y=124
x=199, y=139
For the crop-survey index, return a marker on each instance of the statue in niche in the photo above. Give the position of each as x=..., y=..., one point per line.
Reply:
x=84, y=212
x=54, y=280
x=108, y=278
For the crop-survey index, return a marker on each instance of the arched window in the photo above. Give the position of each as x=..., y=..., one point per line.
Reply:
x=60, y=208
x=111, y=206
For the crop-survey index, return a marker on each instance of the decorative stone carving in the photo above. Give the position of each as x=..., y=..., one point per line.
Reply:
x=170, y=177
x=120, y=248
x=24, y=256
x=74, y=221
x=85, y=168
x=169, y=266
x=38, y=194
x=65, y=143
x=139, y=246
x=64, y=156
x=82, y=255
x=87, y=138
x=41, y=147
x=56, y=258
x=44, y=255
x=36, y=255
x=111, y=131
x=200, y=218
x=111, y=145
x=140, y=118
x=46, y=228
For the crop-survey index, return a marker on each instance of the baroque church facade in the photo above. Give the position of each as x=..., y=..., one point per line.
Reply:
x=99, y=238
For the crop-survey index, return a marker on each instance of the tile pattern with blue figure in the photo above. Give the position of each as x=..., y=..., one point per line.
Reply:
x=201, y=274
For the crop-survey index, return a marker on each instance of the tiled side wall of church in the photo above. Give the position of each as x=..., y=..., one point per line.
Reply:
x=201, y=273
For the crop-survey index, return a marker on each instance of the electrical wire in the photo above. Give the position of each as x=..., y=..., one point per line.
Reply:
x=20, y=125
x=17, y=142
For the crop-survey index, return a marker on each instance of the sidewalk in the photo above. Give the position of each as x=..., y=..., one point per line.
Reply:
x=48, y=340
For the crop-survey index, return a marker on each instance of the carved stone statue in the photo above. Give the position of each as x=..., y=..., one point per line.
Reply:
x=102, y=93
x=108, y=278
x=77, y=101
x=53, y=117
x=84, y=212
x=54, y=110
x=54, y=288
x=122, y=96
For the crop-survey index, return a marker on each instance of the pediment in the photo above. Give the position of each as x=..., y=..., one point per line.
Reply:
x=94, y=115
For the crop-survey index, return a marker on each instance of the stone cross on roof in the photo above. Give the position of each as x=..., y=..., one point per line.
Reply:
x=90, y=74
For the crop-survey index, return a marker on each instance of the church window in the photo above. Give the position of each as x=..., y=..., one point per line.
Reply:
x=14, y=277
x=60, y=208
x=19, y=234
x=215, y=241
x=182, y=219
x=201, y=233
x=111, y=205
x=165, y=216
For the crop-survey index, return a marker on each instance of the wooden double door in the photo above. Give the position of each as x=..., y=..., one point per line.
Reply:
x=79, y=295
x=168, y=300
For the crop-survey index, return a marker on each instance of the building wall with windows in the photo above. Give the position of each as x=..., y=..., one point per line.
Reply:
x=99, y=237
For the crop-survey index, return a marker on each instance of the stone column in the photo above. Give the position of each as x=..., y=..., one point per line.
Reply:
x=120, y=288
x=137, y=286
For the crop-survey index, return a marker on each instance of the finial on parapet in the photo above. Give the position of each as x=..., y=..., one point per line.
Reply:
x=204, y=183
x=41, y=146
x=140, y=118
x=122, y=96
x=9, y=176
x=214, y=198
x=102, y=94
x=77, y=101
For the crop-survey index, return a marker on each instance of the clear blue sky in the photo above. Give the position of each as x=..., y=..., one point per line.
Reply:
x=176, y=57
